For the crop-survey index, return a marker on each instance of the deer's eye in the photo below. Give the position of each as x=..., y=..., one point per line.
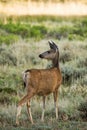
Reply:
x=48, y=51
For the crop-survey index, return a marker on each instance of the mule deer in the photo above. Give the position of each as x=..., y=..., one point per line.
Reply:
x=42, y=82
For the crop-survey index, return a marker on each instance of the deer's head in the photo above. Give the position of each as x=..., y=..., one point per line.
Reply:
x=51, y=53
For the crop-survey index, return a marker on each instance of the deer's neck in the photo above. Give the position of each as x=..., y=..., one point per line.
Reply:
x=56, y=61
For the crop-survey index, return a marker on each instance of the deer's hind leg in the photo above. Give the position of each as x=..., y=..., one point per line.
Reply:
x=18, y=114
x=23, y=101
x=29, y=112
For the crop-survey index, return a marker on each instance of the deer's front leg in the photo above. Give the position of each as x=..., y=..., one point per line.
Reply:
x=56, y=102
x=43, y=111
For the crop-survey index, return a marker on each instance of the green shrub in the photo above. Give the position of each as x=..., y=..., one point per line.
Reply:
x=83, y=106
x=1, y=81
x=9, y=27
x=7, y=57
x=66, y=56
x=83, y=81
x=79, y=72
x=8, y=39
x=6, y=98
x=17, y=28
x=60, y=32
x=38, y=31
x=34, y=60
x=82, y=62
x=8, y=90
x=83, y=110
x=76, y=31
x=79, y=30
x=23, y=30
x=75, y=37
x=73, y=32
x=71, y=74
x=62, y=29
x=67, y=73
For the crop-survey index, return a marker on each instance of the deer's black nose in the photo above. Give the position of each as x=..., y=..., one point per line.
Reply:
x=41, y=56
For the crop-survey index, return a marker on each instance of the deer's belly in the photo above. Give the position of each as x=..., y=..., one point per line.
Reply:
x=41, y=93
x=45, y=91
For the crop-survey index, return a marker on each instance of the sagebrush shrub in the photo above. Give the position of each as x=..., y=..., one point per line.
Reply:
x=83, y=109
x=7, y=57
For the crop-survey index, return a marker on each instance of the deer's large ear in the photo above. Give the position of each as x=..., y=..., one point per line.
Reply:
x=53, y=45
x=50, y=44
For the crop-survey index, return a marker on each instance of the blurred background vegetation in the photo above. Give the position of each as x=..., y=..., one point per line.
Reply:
x=22, y=39
x=47, y=0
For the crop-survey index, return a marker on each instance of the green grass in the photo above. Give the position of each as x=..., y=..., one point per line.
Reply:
x=40, y=27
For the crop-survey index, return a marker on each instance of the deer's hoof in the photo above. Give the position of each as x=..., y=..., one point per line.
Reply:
x=17, y=123
x=42, y=120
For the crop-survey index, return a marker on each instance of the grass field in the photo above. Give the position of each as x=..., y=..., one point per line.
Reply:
x=22, y=39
